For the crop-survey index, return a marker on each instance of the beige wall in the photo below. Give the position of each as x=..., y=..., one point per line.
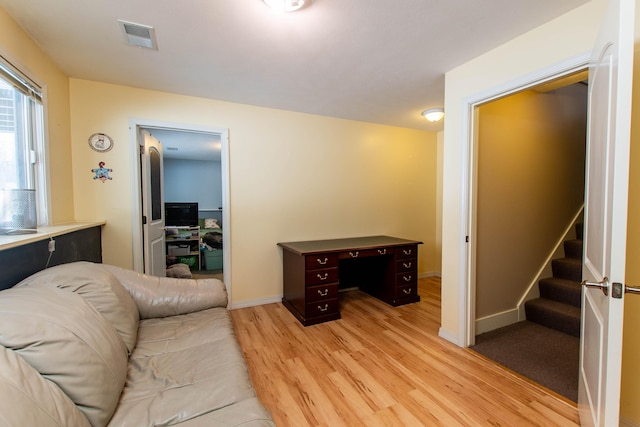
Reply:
x=293, y=177
x=530, y=177
x=19, y=48
x=438, y=246
x=630, y=401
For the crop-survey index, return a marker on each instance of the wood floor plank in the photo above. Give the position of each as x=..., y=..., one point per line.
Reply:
x=383, y=366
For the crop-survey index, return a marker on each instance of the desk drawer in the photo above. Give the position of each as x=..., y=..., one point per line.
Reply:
x=405, y=279
x=406, y=291
x=321, y=261
x=364, y=253
x=407, y=252
x=322, y=308
x=406, y=265
x=316, y=277
x=321, y=292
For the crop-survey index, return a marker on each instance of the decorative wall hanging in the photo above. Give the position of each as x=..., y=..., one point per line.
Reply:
x=101, y=142
x=101, y=172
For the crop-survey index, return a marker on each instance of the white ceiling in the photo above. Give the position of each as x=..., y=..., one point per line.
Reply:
x=188, y=145
x=379, y=61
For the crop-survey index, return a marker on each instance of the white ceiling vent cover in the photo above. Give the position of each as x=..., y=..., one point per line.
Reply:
x=138, y=35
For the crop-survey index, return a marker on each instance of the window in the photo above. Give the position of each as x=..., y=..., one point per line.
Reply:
x=21, y=142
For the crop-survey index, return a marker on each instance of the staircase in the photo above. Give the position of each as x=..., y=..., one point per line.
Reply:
x=560, y=296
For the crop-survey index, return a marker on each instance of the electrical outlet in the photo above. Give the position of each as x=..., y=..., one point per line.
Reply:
x=52, y=245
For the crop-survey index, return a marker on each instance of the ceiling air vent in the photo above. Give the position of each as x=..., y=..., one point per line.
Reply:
x=138, y=35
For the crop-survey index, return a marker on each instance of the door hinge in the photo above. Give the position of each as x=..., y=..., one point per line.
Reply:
x=144, y=219
x=466, y=239
x=142, y=149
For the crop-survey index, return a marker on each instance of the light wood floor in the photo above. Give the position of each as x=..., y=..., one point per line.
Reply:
x=386, y=366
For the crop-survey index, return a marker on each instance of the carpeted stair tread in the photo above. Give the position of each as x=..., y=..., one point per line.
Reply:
x=567, y=268
x=555, y=315
x=573, y=249
x=561, y=290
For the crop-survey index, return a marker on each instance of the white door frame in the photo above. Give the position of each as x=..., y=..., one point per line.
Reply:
x=467, y=290
x=134, y=125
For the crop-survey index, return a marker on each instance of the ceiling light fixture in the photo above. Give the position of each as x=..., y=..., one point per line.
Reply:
x=282, y=6
x=433, y=114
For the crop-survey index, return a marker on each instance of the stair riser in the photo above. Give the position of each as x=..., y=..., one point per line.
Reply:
x=573, y=249
x=567, y=269
x=564, y=293
x=552, y=319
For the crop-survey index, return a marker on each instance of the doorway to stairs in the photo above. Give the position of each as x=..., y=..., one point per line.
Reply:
x=529, y=193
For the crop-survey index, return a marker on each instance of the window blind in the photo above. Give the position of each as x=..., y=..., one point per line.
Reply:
x=20, y=81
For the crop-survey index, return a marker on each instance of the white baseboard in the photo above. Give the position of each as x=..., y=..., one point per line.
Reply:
x=429, y=274
x=496, y=321
x=254, y=302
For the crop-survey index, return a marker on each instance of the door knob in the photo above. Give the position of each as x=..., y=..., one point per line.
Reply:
x=603, y=285
x=618, y=288
x=631, y=290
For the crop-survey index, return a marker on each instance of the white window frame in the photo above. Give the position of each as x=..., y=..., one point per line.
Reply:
x=23, y=83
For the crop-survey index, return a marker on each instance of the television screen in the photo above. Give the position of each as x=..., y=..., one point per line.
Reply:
x=181, y=214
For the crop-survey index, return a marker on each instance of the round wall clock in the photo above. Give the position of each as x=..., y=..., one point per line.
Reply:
x=101, y=142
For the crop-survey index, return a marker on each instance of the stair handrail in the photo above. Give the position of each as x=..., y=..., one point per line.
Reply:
x=527, y=295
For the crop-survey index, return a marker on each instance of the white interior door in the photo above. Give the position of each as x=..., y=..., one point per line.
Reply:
x=152, y=205
x=605, y=228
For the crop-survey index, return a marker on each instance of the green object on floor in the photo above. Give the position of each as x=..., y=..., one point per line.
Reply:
x=213, y=259
x=190, y=260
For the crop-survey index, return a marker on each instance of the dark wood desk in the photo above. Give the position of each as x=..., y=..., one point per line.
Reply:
x=314, y=271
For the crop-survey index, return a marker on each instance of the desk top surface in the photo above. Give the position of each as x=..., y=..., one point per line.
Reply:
x=338, y=245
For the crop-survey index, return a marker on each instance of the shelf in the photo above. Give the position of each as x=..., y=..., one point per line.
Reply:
x=185, y=236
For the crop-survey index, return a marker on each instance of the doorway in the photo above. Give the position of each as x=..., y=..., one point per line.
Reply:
x=193, y=174
x=184, y=142
x=529, y=162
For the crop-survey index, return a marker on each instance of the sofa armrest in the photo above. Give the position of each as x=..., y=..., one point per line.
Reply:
x=166, y=296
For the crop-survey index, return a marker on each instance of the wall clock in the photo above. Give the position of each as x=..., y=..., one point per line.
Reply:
x=101, y=142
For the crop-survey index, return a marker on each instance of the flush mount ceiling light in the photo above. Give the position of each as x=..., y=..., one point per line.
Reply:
x=433, y=114
x=282, y=6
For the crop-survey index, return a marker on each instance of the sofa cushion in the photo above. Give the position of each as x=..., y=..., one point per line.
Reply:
x=69, y=343
x=30, y=400
x=167, y=296
x=98, y=287
x=183, y=367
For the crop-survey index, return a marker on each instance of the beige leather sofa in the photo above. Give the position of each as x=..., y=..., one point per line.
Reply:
x=87, y=344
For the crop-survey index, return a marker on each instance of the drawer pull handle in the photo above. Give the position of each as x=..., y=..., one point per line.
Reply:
x=323, y=293
x=325, y=277
x=406, y=278
x=407, y=251
x=407, y=291
x=325, y=308
x=321, y=262
x=354, y=254
x=382, y=251
x=406, y=264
